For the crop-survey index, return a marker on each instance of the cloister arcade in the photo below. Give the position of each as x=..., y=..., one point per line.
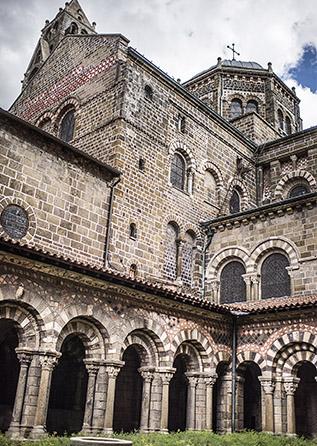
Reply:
x=93, y=382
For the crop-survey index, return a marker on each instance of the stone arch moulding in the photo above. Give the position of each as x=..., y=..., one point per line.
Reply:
x=71, y=102
x=222, y=356
x=180, y=146
x=251, y=356
x=289, y=339
x=204, y=346
x=152, y=350
x=46, y=116
x=239, y=185
x=90, y=335
x=291, y=364
x=226, y=254
x=211, y=167
x=300, y=174
x=6, y=201
x=275, y=243
x=28, y=328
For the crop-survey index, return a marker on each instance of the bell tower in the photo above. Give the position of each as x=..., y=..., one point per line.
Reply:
x=69, y=20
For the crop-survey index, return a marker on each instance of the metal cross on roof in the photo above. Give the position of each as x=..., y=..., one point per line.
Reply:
x=233, y=51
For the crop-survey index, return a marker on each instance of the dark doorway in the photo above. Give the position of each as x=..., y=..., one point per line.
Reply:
x=218, y=397
x=306, y=401
x=128, y=399
x=66, y=406
x=9, y=371
x=178, y=396
x=252, y=398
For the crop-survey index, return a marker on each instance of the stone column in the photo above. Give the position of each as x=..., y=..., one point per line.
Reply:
x=147, y=375
x=210, y=381
x=278, y=405
x=92, y=369
x=48, y=361
x=290, y=386
x=255, y=288
x=166, y=376
x=247, y=280
x=25, y=358
x=112, y=369
x=179, y=259
x=191, y=400
x=268, y=388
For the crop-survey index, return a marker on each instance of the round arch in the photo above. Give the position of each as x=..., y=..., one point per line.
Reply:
x=224, y=255
x=296, y=174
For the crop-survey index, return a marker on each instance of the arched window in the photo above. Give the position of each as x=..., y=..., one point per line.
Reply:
x=235, y=108
x=133, y=231
x=252, y=106
x=288, y=126
x=235, y=202
x=275, y=280
x=66, y=130
x=210, y=188
x=73, y=29
x=148, y=91
x=232, y=284
x=178, y=171
x=45, y=124
x=133, y=271
x=299, y=189
x=171, y=254
x=187, y=258
x=280, y=118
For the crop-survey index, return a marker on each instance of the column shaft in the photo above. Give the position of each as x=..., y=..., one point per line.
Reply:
x=210, y=381
x=90, y=398
x=112, y=371
x=166, y=376
x=147, y=375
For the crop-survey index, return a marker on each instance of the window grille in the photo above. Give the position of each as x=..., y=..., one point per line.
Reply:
x=178, y=171
x=67, y=125
x=171, y=254
x=235, y=108
x=234, y=204
x=275, y=280
x=232, y=284
x=298, y=190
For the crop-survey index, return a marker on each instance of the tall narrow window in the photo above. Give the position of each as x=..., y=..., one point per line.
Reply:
x=210, y=188
x=148, y=92
x=181, y=124
x=288, y=126
x=133, y=231
x=235, y=108
x=280, y=118
x=188, y=258
x=234, y=203
x=178, y=169
x=171, y=254
x=66, y=130
x=232, y=284
x=275, y=280
x=252, y=106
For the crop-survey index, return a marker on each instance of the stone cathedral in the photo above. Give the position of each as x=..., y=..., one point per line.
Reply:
x=158, y=245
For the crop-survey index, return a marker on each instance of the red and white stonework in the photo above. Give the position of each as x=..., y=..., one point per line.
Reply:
x=158, y=245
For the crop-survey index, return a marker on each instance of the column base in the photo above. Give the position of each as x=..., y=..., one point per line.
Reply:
x=107, y=431
x=38, y=432
x=290, y=435
x=14, y=431
x=163, y=431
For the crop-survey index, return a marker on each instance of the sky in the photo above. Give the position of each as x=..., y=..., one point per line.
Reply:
x=182, y=37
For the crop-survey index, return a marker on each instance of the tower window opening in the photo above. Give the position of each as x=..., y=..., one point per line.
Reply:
x=148, y=91
x=133, y=231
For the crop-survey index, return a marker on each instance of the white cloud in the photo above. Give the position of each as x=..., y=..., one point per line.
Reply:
x=181, y=36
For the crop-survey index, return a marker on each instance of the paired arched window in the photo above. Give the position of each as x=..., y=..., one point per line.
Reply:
x=178, y=171
x=235, y=202
x=275, y=280
x=232, y=284
x=67, y=126
x=297, y=190
x=235, y=108
x=171, y=253
x=252, y=106
x=188, y=258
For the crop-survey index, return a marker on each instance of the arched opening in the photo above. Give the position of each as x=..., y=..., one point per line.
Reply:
x=232, y=284
x=188, y=258
x=171, y=253
x=288, y=126
x=235, y=202
x=210, y=184
x=128, y=399
x=219, y=412
x=148, y=92
x=68, y=389
x=306, y=401
x=67, y=126
x=177, y=409
x=178, y=171
x=251, y=397
x=252, y=106
x=235, y=108
x=9, y=371
x=275, y=280
x=280, y=119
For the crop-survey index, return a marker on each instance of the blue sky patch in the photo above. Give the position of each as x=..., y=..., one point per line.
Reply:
x=305, y=72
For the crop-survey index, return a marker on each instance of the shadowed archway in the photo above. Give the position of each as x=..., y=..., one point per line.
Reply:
x=178, y=396
x=306, y=401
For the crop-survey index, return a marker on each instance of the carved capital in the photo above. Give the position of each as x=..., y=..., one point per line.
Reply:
x=92, y=367
x=267, y=385
x=210, y=380
x=112, y=371
x=147, y=374
x=290, y=385
x=24, y=356
x=166, y=375
x=192, y=378
x=49, y=360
